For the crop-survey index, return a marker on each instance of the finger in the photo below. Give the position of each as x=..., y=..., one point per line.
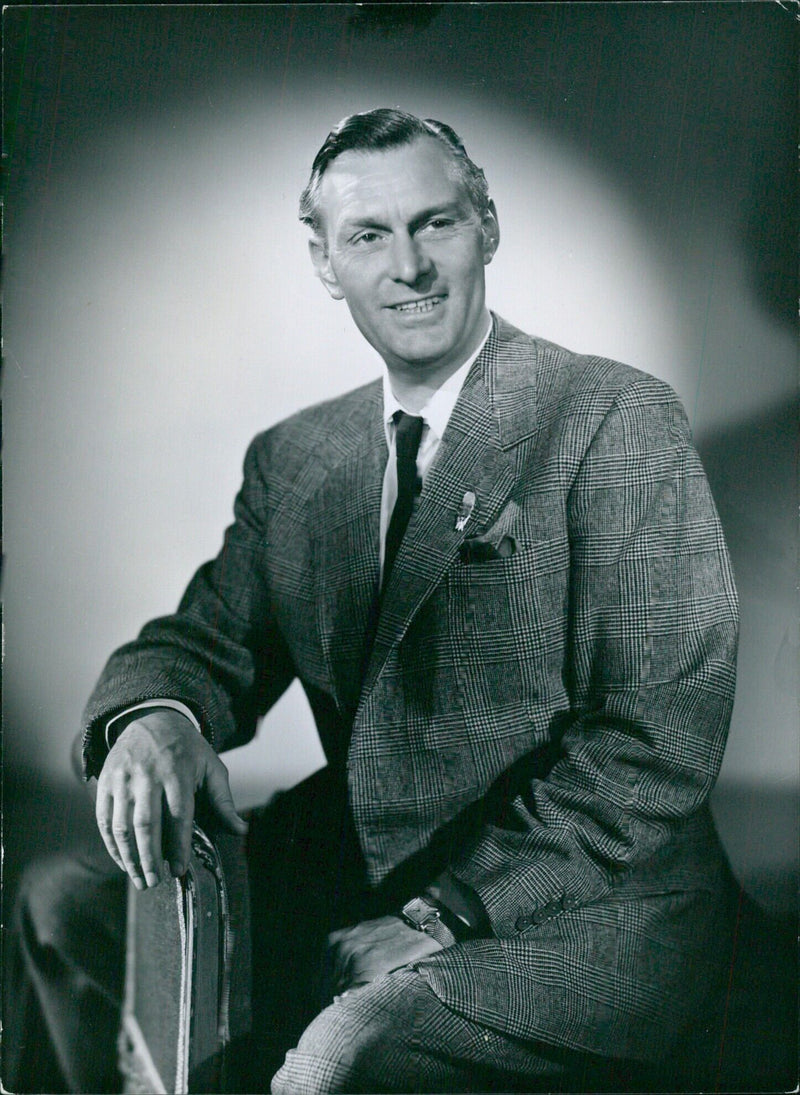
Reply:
x=219, y=793
x=347, y=969
x=103, y=812
x=122, y=831
x=335, y=963
x=147, y=830
x=341, y=979
x=178, y=823
x=355, y=985
x=357, y=970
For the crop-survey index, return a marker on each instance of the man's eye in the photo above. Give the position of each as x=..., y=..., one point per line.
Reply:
x=365, y=237
x=437, y=224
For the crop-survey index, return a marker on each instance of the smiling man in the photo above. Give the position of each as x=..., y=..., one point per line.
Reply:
x=403, y=239
x=499, y=575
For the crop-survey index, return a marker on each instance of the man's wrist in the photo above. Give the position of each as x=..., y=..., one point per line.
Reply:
x=422, y=914
x=448, y=911
x=430, y=914
x=462, y=903
x=124, y=718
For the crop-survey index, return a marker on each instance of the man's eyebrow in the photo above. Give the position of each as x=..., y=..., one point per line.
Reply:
x=362, y=222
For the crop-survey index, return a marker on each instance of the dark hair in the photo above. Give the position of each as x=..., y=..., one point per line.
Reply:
x=376, y=130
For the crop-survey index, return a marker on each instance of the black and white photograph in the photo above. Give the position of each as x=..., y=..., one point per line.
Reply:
x=400, y=575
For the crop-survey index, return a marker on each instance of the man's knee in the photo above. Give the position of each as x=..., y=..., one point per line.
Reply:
x=66, y=968
x=369, y=1039
x=69, y=904
x=329, y=1055
x=43, y=900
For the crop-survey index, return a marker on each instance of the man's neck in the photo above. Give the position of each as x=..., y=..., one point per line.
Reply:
x=413, y=388
x=415, y=392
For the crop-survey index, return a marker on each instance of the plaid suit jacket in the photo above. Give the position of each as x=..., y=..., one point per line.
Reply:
x=545, y=703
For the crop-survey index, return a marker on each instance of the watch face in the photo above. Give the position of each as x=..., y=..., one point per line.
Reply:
x=422, y=915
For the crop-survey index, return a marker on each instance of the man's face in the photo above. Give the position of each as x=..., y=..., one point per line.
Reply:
x=405, y=247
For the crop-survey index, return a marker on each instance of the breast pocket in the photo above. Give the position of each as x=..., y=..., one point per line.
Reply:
x=477, y=549
x=494, y=597
x=511, y=611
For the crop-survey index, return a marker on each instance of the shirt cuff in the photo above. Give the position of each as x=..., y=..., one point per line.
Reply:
x=462, y=902
x=117, y=724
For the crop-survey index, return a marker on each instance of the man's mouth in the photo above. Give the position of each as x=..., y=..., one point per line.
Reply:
x=417, y=307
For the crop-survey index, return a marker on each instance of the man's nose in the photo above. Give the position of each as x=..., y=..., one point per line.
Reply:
x=408, y=260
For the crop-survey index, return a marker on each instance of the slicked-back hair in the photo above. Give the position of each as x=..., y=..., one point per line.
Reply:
x=377, y=130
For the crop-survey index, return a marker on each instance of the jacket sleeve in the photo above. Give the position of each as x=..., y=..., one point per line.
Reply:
x=649, y=671
x=221, y=653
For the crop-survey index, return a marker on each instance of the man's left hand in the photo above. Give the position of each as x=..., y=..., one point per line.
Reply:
x=374, y=947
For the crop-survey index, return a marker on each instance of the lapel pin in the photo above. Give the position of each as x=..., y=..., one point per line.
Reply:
x=465, y=510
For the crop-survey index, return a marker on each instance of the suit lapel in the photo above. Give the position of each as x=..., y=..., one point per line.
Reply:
x=470, y=458
x=345, y=519
x=493, y=413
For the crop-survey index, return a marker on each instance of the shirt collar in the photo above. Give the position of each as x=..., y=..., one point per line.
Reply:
x=439, y=407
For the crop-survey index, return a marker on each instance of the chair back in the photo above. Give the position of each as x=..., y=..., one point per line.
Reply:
x=187, y=976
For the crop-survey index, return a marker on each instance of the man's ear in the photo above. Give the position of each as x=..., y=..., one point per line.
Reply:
x=490, y=228
x=320, y=260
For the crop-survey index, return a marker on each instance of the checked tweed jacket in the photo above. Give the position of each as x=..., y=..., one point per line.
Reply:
x=545, y=703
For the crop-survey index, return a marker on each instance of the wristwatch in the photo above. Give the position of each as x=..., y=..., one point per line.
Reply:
x=422, y=914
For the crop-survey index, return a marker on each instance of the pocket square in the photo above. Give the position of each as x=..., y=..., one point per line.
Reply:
x=495, y=542
x=477, y=549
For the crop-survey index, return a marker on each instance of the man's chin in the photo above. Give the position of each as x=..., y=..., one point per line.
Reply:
x=425, y=351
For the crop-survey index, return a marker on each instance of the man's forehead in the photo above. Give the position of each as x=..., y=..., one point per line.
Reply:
x=363, y=180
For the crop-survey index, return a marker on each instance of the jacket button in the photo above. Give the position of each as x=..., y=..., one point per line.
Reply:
x=548, y=911
x=524, y=922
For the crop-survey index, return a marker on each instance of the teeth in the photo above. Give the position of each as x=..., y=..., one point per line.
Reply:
x=418, y=305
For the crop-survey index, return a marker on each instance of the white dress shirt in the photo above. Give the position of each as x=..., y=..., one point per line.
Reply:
x=435, y=415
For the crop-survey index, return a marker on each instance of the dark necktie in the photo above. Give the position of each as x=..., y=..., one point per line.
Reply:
x=408, y=432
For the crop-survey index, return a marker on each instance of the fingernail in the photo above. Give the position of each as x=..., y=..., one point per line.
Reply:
x=152, y=878
x=138, y=883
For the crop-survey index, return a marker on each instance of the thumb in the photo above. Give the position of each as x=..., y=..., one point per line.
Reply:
x=219, y=794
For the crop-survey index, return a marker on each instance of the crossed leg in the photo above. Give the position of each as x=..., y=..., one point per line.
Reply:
x=395, y=1035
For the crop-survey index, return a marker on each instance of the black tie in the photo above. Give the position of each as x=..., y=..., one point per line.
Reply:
x=408, y=432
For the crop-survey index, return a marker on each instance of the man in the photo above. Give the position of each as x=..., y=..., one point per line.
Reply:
x=499, y=575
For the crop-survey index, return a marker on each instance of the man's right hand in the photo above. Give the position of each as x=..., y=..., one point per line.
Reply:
x=145, y=795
